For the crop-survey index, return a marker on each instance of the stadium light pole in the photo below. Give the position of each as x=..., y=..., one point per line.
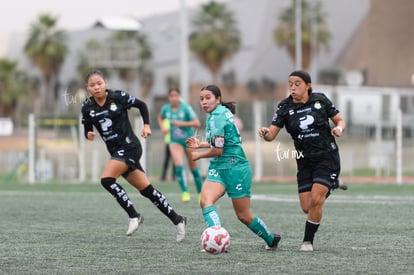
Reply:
x=184, y=52
x=298, y=36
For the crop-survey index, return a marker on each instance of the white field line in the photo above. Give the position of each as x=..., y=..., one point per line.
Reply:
x=374, y=199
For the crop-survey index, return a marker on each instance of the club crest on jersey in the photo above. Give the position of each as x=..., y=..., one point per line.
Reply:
x=317, y=105
x=113, y=107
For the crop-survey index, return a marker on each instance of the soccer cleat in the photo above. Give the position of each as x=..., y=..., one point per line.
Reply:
x=342, y=185
x=276, y=241
x=185, y=197
x=134, y=224
x=306, y=247
x=180, y=227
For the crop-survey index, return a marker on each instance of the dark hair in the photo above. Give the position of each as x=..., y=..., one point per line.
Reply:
x=92, y=73
x=172, y=89
x=305, y=77
x=217, y=93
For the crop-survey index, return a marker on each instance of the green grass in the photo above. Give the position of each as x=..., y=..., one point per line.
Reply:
x=79, y=229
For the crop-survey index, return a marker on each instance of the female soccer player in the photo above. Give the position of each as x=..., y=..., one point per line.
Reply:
x=182, y=119
x=229, y=170
x=107, y=110
x=306, y=117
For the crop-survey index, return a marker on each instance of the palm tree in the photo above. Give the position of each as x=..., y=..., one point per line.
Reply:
x=215, y=38
x=13, y=85
x=46, y=48
x=85, y=64
x=313, y=23
x=132, y=45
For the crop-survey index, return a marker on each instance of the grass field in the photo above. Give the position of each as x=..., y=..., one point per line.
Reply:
x=79, y=229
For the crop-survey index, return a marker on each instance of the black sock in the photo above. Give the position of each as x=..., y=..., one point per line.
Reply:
x=310, y=230
x=159, y=200
x=120, y=195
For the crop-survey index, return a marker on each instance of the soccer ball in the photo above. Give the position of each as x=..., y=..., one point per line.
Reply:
x=215, y=240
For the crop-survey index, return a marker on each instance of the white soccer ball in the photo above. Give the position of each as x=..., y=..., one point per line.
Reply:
x=215, y=240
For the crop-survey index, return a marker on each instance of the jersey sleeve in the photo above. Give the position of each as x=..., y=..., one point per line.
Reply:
x=190, y=112
x=129, y=101
x=163, y=112
x=330, y=107
x=86, y=121
x=278, y=118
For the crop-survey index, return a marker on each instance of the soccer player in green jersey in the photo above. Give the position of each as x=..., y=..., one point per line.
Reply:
x=229, y=170
x=306, y=117
x=183, y=120
x=107, y=111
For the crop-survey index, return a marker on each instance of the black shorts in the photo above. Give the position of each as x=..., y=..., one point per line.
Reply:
x=131, y=157
x=324, y=170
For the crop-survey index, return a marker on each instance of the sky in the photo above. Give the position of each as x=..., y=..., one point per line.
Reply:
x=17, y=15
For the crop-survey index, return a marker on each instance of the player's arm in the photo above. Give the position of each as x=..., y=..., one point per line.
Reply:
x=340, y=125
x=192, y=123
x=88, y=128
x=143, y=109
x=269, y=133
x=215, y=148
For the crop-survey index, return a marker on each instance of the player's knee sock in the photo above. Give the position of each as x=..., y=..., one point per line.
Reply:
x=198, y=180
x=120, y=195
x=179, y=173
x=159, y=200
x=258, y=227
x=211, y=216
x=310, y=229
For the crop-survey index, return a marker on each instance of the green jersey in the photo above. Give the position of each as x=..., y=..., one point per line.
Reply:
x=184, y=112
x=221, y=132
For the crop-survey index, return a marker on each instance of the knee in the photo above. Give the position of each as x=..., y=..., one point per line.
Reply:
x=107, y=182
x=245, y=218
x=317, y=200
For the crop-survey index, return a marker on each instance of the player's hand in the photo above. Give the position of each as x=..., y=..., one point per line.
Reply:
x=263, y=131
x=146, y=131
x=91, y=135
x=193, y=142
x=336, y=131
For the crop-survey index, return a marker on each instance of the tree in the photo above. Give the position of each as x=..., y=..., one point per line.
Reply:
x=215, y=38
x=313, y=23
x=133, y=45
x=46, y=48
x=12, y=86
x=85, y=64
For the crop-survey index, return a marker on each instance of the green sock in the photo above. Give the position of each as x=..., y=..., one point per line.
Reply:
x=197, y=179
x=210, y=216
x=260, y=229
x=179, y=173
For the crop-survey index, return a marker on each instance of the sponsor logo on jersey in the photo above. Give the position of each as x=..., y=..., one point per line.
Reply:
x=306, y=121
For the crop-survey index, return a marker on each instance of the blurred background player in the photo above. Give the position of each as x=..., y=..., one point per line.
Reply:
x=167, y=154
x=183, y=120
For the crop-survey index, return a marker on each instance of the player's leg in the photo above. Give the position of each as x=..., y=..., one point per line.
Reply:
x=139, y=180
x=165, y=163
x=177, y=153
x=254, y=223
x=113, y=169
x=198, y=180
x=238, y=184
x=314, y=200
x=210, y=193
